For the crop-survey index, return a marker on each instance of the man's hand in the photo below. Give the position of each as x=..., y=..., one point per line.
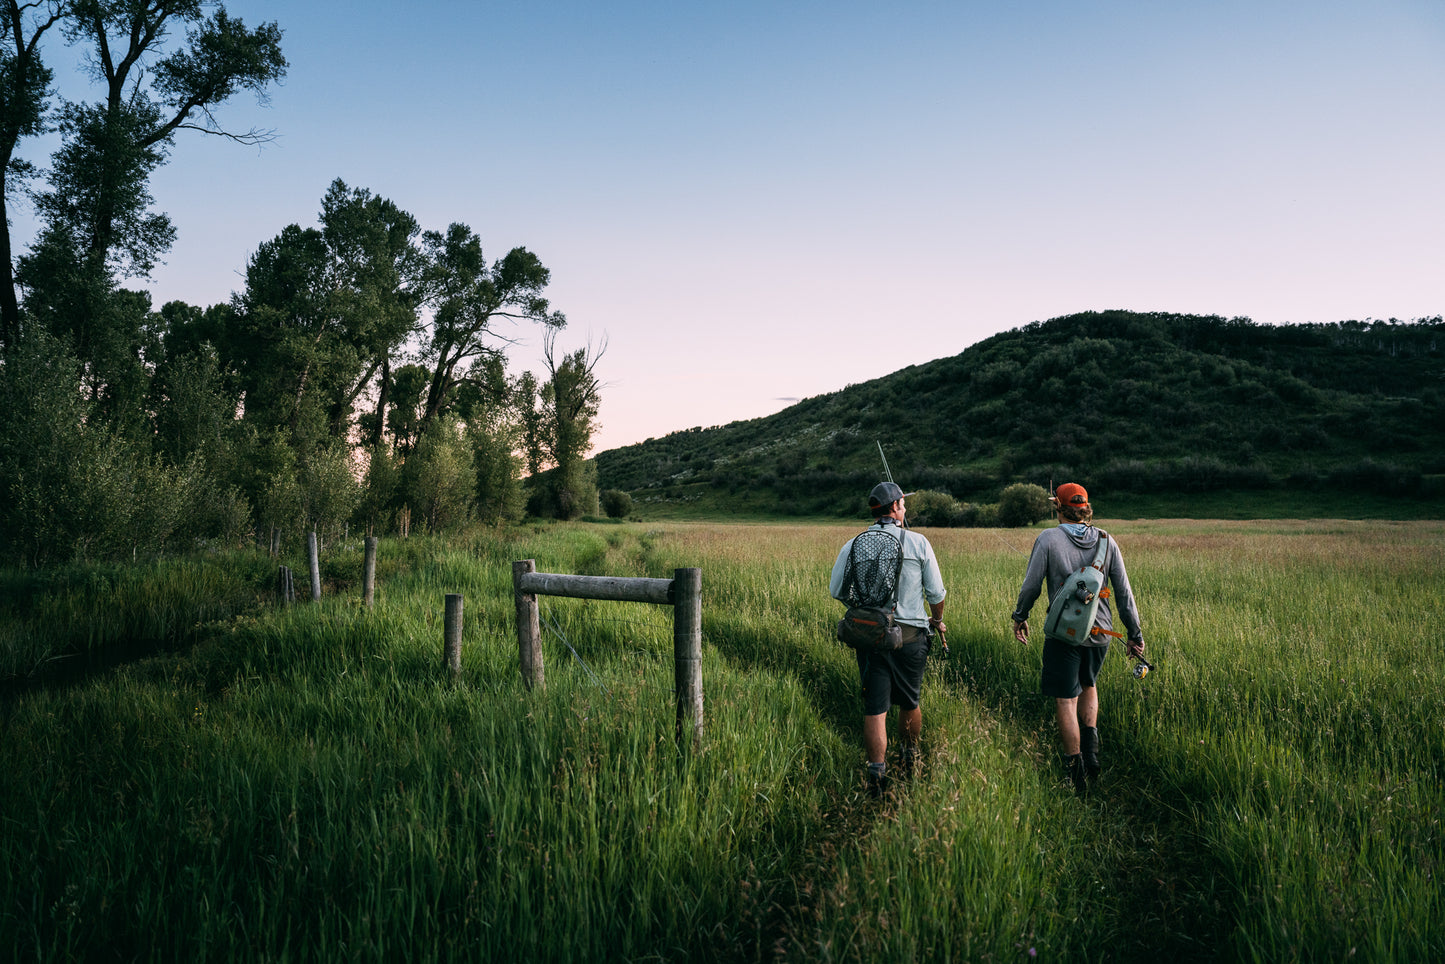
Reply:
x=1021, y=631
x=936, y=624
x=1136, y=649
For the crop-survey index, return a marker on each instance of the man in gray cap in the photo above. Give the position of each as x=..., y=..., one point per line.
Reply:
x=894, y=677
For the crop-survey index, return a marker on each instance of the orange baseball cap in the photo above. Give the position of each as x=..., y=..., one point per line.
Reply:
x=1071, y=493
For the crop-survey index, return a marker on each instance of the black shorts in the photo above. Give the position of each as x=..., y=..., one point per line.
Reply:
x=1068, y=669
x=894, y=678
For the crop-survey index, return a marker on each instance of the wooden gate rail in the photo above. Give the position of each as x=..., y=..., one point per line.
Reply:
x=683, y=593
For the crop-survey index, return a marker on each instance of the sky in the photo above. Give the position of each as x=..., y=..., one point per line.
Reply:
x=752, y=203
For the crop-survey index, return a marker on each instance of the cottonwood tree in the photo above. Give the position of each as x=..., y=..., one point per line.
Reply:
x=330, y=492
x=468, y=299
x=533, y=455
x=377, y=286
x=163, y=66
x=564, y=423
x=24, y=85
x=407, y=386
x=106, y=327
x=283, y=337
x=151, y=91
x=489, y=406
x=494, y=436
x=323, y=312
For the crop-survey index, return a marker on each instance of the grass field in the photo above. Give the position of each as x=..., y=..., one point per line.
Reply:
x=310, y=784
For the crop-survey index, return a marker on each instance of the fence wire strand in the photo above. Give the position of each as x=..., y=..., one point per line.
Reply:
x=555, y=630
x=552, y=627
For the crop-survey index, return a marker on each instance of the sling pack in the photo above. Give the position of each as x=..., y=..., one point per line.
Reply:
x=1075, y=606
x=870, y=591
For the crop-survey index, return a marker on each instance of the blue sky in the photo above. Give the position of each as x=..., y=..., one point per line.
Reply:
x=757, y=202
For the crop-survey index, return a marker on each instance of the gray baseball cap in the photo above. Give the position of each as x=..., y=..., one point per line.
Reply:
x=885, y=493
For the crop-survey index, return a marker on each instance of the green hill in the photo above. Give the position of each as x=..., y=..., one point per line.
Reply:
x=1185, y=409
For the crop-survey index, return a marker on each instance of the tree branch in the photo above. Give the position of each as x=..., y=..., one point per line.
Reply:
x=250, y=138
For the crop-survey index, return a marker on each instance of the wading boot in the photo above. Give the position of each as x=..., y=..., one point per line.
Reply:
x=1089, y=750
x=908, y=762
x=1074, y=767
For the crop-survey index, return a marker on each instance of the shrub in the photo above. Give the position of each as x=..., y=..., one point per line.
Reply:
x=929, y=508
x=74, y=486
x=978, y=516
x=1367, y=475
x=499, y=495
x=1022, y=504
x=616, y=503
x=440, y=478
x=377, y=508
x=330, y=492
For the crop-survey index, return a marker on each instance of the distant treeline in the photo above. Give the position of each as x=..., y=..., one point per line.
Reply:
x=357, y=380
x=1132, y=402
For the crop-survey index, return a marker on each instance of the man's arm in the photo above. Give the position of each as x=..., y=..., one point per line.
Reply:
x=1029, y=592
x=840, y=568
x=1124, y=600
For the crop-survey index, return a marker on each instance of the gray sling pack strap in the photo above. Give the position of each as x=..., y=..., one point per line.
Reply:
x=1075, y=606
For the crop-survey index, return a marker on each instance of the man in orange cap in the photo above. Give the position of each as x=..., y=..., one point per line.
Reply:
x=1071, y=668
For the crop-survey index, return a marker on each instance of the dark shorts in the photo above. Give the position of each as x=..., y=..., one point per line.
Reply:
x=1068, y=669
x=894, y=678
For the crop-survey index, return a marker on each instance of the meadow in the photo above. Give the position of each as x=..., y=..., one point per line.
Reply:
x=195, y=772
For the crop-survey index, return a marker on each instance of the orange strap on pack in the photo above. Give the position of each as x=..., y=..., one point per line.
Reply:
x=1104, y=594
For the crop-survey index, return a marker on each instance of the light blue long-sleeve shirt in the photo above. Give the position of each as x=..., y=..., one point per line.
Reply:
x=919, y=584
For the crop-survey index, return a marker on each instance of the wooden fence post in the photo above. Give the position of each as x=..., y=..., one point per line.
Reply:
x=529, y=630
x=313, y=557
x=683, y=593
x=453, y=631
x=368, y=573
x=687, y=654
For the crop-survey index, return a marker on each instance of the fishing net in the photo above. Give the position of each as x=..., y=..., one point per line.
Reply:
x=874, y=563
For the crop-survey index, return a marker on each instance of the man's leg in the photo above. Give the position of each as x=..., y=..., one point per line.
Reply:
x=875, y=737
x=1068, y=713
x=1089, y=731
x=875, y=745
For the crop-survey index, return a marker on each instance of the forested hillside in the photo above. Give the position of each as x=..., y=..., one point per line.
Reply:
x=1133, y=402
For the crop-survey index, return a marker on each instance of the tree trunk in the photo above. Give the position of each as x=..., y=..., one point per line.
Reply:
x=9, y=303
x=383, y=392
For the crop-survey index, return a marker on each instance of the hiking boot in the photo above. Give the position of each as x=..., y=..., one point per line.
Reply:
x=1074, y=767
x=1089, y=750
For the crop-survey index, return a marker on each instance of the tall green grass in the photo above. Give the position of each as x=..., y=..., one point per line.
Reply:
x=80, y=612
x=309, y=783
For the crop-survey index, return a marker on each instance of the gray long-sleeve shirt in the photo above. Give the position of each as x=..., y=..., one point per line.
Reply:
x=1057, y=553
